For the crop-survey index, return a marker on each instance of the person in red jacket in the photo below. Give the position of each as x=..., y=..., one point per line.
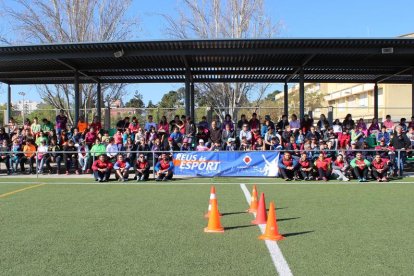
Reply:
x=344, y=139
x=305, y=167
x=102, y=168
x=324, y=167
x=142, y=168
x=379, y=169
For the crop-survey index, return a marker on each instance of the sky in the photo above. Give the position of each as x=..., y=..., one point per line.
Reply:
x=299, y=18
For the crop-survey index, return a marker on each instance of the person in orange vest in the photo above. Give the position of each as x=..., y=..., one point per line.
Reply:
x=379, y=169
x=82, y=125
x=29, y=154
x=164, y=168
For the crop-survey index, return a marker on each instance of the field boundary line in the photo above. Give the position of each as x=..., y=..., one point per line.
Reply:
x=279, y=261
x=20, y=190
x=152, y=183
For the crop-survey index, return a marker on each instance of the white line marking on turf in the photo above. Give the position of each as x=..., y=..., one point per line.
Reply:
x=153, y=183
x=279, y=261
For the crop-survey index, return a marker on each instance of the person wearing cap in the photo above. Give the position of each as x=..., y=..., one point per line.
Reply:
x=201, y=146
x=360, y=166
x=185, y=146
x=171, y=146
x=101, y=168
x=379, y=168
x=230, y=146
x=164, y=169
x=121, y=167
x=142, y=168
x=288, y=166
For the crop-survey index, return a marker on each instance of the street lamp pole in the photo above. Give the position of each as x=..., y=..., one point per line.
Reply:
x=23, y=94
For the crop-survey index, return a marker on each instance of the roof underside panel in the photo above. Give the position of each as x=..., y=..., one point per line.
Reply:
x=255, y=60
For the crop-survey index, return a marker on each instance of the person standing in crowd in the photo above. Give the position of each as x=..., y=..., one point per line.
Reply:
x=360, y=166
x=164, y=168
x=102, y=168
x=215, y=133
x=401, y=143
x=61, y=122
x=288, y=166
x=121, y=168
x=142, y=168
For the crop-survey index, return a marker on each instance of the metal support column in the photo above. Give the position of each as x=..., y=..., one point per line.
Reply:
x=286, y=100
x=412, y=93
x=187, y=93
x=192, y=102
x=99, y=101
x=9, y=107
x=77, y=98
x=376, y=100
x=301, y=94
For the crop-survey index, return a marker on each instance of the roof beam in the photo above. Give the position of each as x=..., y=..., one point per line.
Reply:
x=75, y=69
x=384, y=78
x=306, y=61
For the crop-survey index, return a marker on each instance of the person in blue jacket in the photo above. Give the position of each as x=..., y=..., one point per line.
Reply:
x=288, y=167
x=164, y=169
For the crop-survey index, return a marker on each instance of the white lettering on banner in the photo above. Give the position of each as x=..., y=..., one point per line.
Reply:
x=202, y=166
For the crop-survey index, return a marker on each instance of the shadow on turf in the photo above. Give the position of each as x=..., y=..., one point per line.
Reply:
x=297, y=233
x=284, y=219
x=233, y=213
x=237, y=227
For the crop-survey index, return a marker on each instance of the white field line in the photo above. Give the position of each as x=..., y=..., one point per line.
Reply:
x=279, y=261
x=173, y=183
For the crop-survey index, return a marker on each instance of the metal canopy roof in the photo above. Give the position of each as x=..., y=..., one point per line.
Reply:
x=247, y=60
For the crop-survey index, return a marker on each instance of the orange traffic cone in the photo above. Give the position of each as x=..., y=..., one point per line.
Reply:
x=272, y=231
x=212, y=196
x=261, y=211
x=214, y=225
x=253, y=201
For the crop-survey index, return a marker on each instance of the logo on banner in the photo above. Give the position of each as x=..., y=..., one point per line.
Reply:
x=247, y=160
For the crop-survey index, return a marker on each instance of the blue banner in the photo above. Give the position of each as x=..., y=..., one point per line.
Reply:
x=230, y=163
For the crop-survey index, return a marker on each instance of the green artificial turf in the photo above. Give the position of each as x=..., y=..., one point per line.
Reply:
x=158, y=229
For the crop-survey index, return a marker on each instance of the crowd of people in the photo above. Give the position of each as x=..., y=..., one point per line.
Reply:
x=309, y=149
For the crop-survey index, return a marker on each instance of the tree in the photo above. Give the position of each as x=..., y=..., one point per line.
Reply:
x=172, y=99
x=223, y=19
x=57, y=21
x=271, y=96
x=136, y=101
